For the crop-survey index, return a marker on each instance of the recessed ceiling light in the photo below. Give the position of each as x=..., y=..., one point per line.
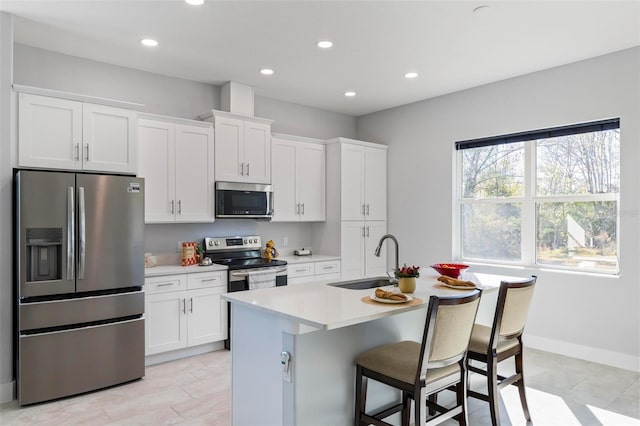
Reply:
x=410, y=74
x=324, y=44
x=149, y=42
x=481, y=9
x=266, y=71
x=349, y=94
x=194, y=2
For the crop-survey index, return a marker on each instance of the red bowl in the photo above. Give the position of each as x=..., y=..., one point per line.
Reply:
x=449, y=269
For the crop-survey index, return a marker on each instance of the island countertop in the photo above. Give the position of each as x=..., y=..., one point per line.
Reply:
x=326, y=307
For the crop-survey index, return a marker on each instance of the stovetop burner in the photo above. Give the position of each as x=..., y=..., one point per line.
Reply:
x=238, y=252
x=249, y=263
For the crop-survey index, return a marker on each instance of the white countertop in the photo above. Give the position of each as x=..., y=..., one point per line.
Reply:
x=305, y=259
x=326, y=307
x=175, y=269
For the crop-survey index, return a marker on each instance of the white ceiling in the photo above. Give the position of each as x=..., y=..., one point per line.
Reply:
x=375, y=42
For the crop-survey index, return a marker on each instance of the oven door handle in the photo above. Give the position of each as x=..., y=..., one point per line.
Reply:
x=242, y=274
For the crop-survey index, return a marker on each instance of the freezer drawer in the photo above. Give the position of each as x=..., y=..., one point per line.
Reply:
x=62, y=363
x=77, y=311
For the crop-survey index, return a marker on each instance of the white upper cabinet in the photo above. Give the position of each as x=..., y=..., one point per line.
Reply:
x=364, y=182
x=298, y=179
x=176, y=160
x=356, y=208
x=242, y=149
x=67, y=134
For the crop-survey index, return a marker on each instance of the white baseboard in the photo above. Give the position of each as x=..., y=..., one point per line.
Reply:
x=182, y=353
x=587, y=353
x=7, y=392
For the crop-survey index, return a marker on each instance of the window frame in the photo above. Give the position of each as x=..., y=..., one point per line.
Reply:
x=529, y=200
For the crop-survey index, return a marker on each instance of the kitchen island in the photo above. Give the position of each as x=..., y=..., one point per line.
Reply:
x=322, y=328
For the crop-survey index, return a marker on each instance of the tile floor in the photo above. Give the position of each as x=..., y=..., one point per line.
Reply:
x=195, y=391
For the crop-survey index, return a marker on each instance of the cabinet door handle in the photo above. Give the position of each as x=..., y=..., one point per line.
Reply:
x=242, y=169
x=179, y=206
x=363, y=232
x=298, y=208
x=184, y=306
x=302, y=208
x=367, y=209
x=248, y=164
x=363, y=210
x=208, y=280
x=328, y=267
x=77, y=152
x=191, y=305
x=164, y=284
x=87, y=152
x=367, y=231
x=173, y=207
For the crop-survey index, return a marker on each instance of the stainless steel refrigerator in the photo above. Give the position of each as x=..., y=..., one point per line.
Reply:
x=79, y=275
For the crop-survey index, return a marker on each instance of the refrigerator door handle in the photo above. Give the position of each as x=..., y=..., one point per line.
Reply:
x=71, y=240
x=81, y=233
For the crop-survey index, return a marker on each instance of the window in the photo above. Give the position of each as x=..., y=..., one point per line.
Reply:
x=548, y=197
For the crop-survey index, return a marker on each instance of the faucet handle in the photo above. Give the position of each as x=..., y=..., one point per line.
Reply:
x=392, y=279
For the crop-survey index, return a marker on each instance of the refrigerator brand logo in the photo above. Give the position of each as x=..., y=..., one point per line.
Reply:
x=133, y=187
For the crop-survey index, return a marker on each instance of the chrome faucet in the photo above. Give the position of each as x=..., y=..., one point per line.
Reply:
x=377, y=253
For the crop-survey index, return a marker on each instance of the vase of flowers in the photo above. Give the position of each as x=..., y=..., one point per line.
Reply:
x=407, y=278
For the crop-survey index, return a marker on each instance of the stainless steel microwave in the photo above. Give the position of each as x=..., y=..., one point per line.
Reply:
x=243, y=200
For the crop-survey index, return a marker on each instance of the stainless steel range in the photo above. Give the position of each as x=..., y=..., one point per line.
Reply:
x=247, y=269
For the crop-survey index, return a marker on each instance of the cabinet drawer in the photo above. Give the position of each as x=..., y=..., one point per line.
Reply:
x=300, y=270
x=165, y=284
x=328, y=267
x=206, y=279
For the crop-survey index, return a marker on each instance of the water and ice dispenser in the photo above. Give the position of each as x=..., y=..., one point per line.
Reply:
x=44, y=254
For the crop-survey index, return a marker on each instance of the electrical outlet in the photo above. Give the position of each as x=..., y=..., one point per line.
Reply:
x=285, y=241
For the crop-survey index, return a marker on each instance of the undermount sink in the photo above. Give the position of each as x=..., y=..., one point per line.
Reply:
x=363, y=283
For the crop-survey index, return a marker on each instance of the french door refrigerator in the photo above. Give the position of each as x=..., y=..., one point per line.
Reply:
x=79, y=275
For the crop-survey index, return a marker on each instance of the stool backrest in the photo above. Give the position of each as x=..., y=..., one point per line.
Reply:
x=447, y=330
x=514, y=299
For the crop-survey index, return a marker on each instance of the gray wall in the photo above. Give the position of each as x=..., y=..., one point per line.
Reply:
x=6, y=235
x=592, y=316
x=160, y=95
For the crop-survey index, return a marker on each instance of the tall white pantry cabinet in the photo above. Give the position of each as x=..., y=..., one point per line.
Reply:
x=357, y=208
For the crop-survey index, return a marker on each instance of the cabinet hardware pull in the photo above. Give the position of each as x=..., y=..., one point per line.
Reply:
x=363, y=210
x=367, y=231
x=173, y=209
x=191, y=305
x=328, y=267
x=209, y=279
x=184, y=306
x=302, y=208
x=363, y=232
x=301, y=270
x=87, y=145
x=77, y=152
x=164, y=284
x=179, y=206
x=298, y=208
x=367, y=209
x=248, y=164
x=242, y=169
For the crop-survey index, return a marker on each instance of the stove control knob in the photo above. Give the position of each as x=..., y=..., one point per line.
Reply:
x=210, y=243
x=217, y=243
x=244, y=241
x=252, y=241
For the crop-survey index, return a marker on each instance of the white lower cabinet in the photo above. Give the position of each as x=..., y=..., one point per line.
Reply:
x=184, y=310
x=358, y=241
x=327, y=270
